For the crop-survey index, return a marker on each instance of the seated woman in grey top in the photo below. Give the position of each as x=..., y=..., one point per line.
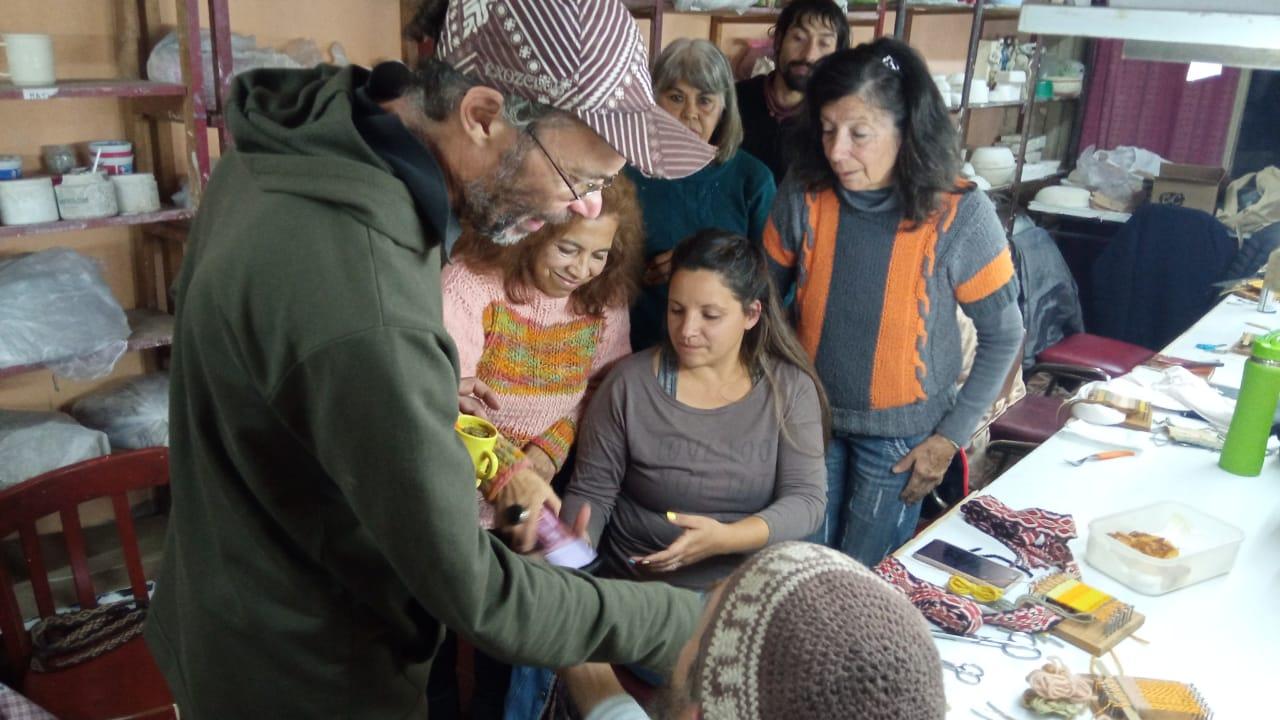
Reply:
x=698, y=452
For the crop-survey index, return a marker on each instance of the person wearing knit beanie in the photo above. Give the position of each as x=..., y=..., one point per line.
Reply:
x=798, y=632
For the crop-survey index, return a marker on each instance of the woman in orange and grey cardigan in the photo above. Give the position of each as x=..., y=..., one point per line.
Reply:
x=880, y=243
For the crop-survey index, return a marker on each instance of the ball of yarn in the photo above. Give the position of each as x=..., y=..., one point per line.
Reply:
x=1055, y=682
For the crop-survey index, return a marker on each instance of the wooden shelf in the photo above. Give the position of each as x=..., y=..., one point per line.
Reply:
x=93, y=89
x=150, y=329
x=1011, y=104
x=1086, y=213
x=645, y=8
x=990, y=12
x=170, y=214
x=1195, y=27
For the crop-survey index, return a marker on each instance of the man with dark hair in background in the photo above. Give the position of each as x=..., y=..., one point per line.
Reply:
x=806, y=32
x=324, y=528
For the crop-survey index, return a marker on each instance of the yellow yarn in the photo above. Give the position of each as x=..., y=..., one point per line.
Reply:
x=981, y=592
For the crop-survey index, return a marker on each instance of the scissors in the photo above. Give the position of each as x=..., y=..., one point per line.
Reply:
x=1014, y=646
x=967, y=673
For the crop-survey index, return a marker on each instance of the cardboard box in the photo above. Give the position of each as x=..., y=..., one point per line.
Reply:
x=1193, y=186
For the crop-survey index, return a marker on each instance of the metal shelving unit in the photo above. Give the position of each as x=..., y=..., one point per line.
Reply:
x=981, y=14
x=156, y=102
x=653, y=11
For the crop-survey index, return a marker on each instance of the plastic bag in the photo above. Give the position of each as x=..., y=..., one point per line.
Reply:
x=56, y=309
x=1252, y=202
x=1117, y=174
x=134, y=413
x=165, y=65
x=33, y=443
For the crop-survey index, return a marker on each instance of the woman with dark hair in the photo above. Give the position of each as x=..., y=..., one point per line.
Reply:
x=874, y=202
x=700, y=451
x=693, y=82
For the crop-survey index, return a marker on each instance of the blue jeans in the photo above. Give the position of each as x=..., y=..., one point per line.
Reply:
x=529, y=691
x=865, y=519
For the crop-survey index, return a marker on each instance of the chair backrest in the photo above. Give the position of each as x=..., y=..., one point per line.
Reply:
x=62, y=491
x=1153, y=280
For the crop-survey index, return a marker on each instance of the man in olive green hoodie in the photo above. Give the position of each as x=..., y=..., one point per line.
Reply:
x=323, y=527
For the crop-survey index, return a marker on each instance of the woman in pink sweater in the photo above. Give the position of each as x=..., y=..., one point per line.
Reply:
x=540, y=321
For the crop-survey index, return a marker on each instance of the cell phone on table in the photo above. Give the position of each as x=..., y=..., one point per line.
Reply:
x=974, y=568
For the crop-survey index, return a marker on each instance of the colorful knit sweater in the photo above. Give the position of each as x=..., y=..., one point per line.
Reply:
x=876, y=303
x=539, y=357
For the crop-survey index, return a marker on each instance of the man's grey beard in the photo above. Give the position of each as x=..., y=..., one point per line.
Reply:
x=493, y=207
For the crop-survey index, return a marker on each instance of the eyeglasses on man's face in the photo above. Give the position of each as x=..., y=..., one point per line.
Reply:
x=587, y=187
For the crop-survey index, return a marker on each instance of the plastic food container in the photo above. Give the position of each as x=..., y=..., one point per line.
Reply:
x=115, y=157
x=86, y=196
x=1207, y=547
x=10, y=167
x=27, y=201
x=136, y=193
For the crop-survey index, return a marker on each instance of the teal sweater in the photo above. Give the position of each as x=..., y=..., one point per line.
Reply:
x=735, y=195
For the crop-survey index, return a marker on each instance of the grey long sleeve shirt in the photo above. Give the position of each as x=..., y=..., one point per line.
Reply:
x=642, y=453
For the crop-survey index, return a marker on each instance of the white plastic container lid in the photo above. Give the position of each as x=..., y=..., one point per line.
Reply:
x=111, y=146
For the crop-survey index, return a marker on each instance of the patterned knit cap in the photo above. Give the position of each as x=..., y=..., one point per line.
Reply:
x=804, y=632
x=581, y=56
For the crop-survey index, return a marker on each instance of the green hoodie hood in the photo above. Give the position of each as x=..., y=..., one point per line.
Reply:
x=294, y=131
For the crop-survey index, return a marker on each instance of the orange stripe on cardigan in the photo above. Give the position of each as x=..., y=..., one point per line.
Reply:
x=818, y=261
x=989, y=279
x=773, y=246
x=898, y=367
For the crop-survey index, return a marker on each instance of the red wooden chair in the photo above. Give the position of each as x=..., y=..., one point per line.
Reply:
x=124, y=682
x=1084, y=357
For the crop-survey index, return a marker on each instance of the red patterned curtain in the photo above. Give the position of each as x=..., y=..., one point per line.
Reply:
x=1151, y=105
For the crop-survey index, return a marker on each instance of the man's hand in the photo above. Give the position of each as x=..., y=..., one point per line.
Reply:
x=476, y=398
x=928, y=462
x=528, y=490
x=703, y=537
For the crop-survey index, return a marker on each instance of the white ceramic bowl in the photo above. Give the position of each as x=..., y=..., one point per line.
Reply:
x=1063, y=196
x=1006, y=93
x=1066, y=86
x=994, y=156
x=996, y=175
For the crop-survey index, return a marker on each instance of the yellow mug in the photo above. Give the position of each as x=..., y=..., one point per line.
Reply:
x=480, y=437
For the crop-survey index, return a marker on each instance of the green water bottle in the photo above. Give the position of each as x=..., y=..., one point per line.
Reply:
x=1246, y=443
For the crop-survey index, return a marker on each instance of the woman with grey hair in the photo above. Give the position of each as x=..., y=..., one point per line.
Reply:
x=692, y=81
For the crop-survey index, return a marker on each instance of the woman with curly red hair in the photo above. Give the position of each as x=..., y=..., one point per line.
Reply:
x=540, y=320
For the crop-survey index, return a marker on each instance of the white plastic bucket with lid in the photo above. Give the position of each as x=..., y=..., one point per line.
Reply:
x=86, y=196
x=30, y=59
x=114, y=157
x=10, y=167
x=28, y=201
x=136, y=193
